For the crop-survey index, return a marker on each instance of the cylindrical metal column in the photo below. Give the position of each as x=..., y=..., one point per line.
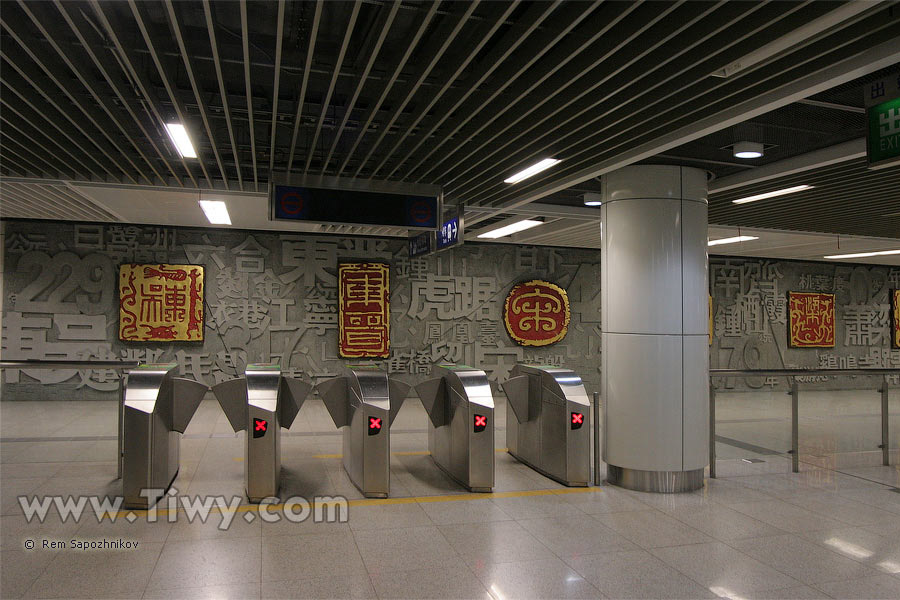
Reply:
x=655, y=361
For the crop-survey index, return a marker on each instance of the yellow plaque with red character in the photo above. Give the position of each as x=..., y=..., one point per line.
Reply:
x=811, y=320
x=895, y=318
x=160, y=303
x=537, y=313
x=364, y=311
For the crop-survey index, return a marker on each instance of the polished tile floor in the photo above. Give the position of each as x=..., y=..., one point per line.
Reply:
x=758, y=531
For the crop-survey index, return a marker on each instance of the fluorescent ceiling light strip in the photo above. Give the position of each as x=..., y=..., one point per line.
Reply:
x=510, y=229
x=864, y=254
x=179, y=137
x=532, y=170
x=216, y=212
x=790, y=190
x=732, y=240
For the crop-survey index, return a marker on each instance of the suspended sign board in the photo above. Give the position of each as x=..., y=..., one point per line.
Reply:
x=883, y=122
x=451, y=231
x=419, y=244
x=353, y=207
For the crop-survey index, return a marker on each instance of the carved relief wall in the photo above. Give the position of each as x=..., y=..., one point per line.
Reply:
x=750, y=315
x=274, y=297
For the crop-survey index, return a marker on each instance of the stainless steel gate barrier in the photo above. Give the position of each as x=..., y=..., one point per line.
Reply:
x=461, y=439
x=548, y=426
x=158, y=407
x=364, y=402
x=261, y=403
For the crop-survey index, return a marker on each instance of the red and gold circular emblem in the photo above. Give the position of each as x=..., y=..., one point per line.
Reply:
x=536, y=313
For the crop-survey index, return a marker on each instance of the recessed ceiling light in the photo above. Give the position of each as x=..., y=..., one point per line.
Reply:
x=863, y=254
x=747, y=150
x=592, y=199
x=731, y=240
x=532, y=170
x=216, y=212
x=776, y=193
x=179, y=137
x=510, y=229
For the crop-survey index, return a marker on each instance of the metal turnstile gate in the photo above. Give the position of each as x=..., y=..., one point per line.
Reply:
x=364, y=403
x=261, y=403
x=461, y=410
x=547, y=422
x=156, y=410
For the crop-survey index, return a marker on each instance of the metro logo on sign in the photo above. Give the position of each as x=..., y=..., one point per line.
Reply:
x=260, y=426
x=374, y=425
x=577, y=420
x=480, y=423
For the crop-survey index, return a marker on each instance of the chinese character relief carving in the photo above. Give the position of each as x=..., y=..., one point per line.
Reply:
x=277, y=297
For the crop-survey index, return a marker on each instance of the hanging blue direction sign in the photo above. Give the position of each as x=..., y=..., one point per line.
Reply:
x=448, y=234
x=420, y=244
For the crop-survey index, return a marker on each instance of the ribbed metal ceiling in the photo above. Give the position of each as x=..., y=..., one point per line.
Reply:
x=846, y=198
x=48, y=201
x=459, y=94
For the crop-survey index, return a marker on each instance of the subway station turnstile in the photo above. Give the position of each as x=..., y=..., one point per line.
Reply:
x=461, y=437
x=364, y=403
x=261, y=403
x=156, y=410
x=547, y=422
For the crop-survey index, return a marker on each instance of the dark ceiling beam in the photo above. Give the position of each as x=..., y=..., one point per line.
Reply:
x=373, y=53
x=388, y=85
x=354, y=13
x=223, y=93
x=91, y=42
x=424, y=109
x=178, y=30
x=114, y=30
x=501, y=51
x=317, y=15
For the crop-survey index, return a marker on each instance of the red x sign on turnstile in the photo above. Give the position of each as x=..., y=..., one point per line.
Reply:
x=374, y=425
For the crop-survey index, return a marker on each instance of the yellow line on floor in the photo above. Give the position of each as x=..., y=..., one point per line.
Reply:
x=162, y=512
x=410, y=453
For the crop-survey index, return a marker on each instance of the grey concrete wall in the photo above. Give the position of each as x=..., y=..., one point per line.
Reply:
x=274, y=297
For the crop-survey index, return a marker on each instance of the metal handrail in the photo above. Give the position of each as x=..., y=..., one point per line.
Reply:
x=69, y=364
x=795, y=405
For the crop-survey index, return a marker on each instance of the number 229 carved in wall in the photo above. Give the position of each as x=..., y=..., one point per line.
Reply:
x=536, y=313
x=161, y=303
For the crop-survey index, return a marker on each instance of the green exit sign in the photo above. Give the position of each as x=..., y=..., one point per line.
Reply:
x=884, y=134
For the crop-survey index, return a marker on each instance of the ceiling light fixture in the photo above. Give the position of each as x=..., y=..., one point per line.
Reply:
x=215, y=211
x=510, y=229
x=776, y=193
x=731, y=240
x=178, y=135
x=532, y=170
x=592, y=199
x=863, y=254
x=747, y=150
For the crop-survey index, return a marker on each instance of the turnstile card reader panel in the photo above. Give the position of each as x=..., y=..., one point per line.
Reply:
x=261, y=403
x=157, y=408
x=548, y=422
x=364, y=403
x=460, y=407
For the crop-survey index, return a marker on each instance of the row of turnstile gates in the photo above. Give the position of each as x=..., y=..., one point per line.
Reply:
x=547, y=424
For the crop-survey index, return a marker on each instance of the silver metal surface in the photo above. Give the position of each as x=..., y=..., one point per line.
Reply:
x=655, y=481
x=885, y=438
x=363, y=403
x=795, y=427
x=541, y=430
x=596, y=429
x=712, y=431
x=260, y=404
x=461, y=437
x=157, y=408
